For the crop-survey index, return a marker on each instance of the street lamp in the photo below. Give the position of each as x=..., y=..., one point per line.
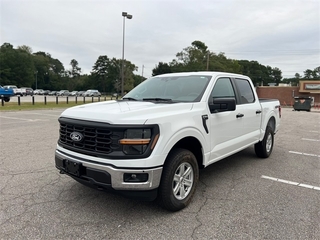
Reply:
x=124, y=15
x=36, y=72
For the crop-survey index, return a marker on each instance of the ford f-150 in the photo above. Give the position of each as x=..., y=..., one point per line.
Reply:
x=151, y=143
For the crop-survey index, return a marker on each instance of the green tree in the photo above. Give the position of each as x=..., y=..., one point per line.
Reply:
x=308, y=74
x=192, y=58
x=16, y=66
x=197, y=57
x=129, y=68
x=42, y=67
x=316, y=73
x=276, y=75
x=137, y=79
x=100, y=73
x=75, y=69
x=258, y=73
x=50, y=72
x=25, y=48
x=161, y=68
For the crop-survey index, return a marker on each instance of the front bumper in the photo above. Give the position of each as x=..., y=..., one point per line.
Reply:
x=100, y=175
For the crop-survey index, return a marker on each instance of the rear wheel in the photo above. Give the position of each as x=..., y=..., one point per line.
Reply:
x=264, y=148
x=6, y=99
x=179, y=179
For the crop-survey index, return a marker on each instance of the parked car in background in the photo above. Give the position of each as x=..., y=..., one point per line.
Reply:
x=92, y=93
x=6, y=93
x=63, y=93
x=74, y=93
x=46, y=92
x=16, y=90
x=52, y=93
x=80, y=93
x=38, y=92
x=115, y=95
x=27, y=91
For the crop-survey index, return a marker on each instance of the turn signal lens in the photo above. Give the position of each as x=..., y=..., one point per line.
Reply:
x=134, y=141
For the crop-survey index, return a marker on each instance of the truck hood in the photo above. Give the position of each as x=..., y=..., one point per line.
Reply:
x=125, y=112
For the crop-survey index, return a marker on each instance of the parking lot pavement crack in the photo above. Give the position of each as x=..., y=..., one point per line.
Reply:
x=4, y=183
x=44, y=170
x=201, y=190
x=197, y=217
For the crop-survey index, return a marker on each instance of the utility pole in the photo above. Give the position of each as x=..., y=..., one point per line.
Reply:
x=142, y=70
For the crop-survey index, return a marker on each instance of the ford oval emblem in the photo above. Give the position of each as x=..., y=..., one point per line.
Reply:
x=76, y=136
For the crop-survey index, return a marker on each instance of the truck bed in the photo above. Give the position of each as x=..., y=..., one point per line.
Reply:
x=267, y=100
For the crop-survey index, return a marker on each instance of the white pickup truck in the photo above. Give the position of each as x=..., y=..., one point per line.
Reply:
x=152, y=143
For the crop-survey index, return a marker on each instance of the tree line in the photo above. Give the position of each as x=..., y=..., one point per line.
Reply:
x=197, y=57
x=40, y=70
x=20, y=66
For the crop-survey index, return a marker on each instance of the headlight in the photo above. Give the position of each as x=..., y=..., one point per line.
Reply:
x=136, y=141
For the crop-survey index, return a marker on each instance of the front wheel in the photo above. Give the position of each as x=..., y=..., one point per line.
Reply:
x=179, y=179
x=264, y=148
x=6, y=99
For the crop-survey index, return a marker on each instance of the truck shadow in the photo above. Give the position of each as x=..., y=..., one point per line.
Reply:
x=214, y=176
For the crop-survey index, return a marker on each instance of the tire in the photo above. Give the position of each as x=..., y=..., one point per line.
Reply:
x=264, y=148
x=179, y=180
x=6, y=99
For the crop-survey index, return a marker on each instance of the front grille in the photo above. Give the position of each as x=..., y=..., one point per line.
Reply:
x=97, y=138
x=100, y=139
x=94, y=139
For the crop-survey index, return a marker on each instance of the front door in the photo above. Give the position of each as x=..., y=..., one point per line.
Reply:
x=225, y=127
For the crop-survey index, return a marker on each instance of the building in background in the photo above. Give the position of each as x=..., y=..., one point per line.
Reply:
x=286, y=93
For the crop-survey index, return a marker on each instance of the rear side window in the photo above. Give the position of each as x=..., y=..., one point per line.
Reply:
x=245, y=91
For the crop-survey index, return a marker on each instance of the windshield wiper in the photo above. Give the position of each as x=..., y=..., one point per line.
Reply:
x=129, y=98
x=158, y=99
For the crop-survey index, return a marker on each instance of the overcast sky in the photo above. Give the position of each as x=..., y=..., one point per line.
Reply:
x=278, y=33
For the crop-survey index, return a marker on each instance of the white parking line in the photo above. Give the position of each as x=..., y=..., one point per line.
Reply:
x=291, y=183
x=313, y=140
x=23, y=119
x=43, y=114
x=305, y=154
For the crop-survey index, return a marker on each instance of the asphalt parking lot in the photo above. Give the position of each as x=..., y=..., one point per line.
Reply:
x=241, y=197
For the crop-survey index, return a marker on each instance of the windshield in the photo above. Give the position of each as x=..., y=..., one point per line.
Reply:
x=189, y=88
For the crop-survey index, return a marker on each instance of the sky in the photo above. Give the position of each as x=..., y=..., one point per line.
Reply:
x=277, y=33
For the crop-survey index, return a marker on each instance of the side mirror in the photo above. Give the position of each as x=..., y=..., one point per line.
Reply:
x=222, y=105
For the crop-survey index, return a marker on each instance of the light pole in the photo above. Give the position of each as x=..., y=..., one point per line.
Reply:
x=36, y=72
x=124, y=15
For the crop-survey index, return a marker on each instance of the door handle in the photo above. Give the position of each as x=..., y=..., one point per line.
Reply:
x=240, y=115
x=258, y=111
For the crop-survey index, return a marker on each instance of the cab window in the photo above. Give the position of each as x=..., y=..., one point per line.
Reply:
x=223, y=89
x=245, y=90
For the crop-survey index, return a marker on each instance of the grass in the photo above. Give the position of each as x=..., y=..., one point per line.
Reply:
x=13, y=106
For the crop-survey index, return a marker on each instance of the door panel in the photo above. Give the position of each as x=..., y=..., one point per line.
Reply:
x=224, y=126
